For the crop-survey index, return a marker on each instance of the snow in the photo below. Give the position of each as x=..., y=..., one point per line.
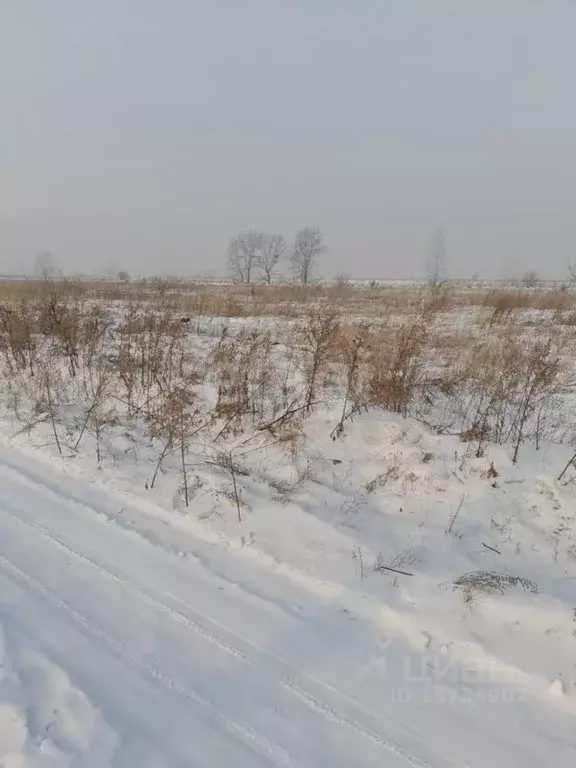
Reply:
x=134, y=632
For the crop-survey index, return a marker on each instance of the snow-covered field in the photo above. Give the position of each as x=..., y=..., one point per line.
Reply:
x=387, y=595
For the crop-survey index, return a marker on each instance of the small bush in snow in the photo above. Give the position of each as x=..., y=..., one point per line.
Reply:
x=488, y=583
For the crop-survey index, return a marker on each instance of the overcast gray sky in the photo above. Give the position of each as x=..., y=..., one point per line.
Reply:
x=142, y=134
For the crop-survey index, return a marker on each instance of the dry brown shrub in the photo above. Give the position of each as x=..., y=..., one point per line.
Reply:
x=397, y=365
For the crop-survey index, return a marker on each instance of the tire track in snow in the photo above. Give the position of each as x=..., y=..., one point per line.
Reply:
x=132, y=658
x=131, y=586
x=282, y=673
x=468, y=653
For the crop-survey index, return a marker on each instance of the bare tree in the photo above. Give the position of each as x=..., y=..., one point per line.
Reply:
x=530, y=279
x=308, y=246
x=437, y=260
x=44, y=265
x=243, y=253
x=271, y=251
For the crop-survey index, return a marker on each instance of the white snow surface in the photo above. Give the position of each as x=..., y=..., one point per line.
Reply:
x=135, y=633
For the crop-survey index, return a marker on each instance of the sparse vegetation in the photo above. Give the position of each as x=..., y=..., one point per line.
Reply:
x=249, y=407
x=481, y=583
x=93, y=358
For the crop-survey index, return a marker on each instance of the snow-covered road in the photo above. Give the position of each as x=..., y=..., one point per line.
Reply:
x=118, y=648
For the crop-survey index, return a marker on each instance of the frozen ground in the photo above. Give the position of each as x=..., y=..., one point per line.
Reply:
x=133, y=633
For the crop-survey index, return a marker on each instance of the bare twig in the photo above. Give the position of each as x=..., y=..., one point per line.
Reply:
x=463, y=500
x=567, y=467
x=394, y=570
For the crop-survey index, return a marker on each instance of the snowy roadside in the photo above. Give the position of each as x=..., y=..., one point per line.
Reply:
x=390, y=495
x=45, y=720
